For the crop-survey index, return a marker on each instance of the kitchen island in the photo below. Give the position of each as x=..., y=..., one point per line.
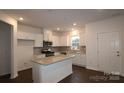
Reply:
x=51, y=69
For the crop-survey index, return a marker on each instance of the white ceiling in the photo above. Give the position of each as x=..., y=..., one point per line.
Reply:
x=62, y=18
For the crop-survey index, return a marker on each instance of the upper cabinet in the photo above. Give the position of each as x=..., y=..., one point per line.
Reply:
x=60, y=38
x=38, y=40
x=21, y=34
x=63, y=40
x=47, y=35
x=56, y=38
x=30, y=33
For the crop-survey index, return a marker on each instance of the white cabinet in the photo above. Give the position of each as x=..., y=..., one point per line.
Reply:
x=56, y=41
x=47, y=35
x=63, y=41
x=79, y=60
x=30, y=33
x=50, y=36
x=25, y=35
x=60, y=39
x=68, y=40
x=38, y=40
x=56, y=38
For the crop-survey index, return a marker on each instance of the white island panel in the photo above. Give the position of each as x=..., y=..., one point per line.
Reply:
x=52, y=73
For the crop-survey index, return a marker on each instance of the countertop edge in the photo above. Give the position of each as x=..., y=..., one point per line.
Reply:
x=72, y=56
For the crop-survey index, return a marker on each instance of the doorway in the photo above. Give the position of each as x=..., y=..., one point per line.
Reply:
x=109, y=58
x=5, y=48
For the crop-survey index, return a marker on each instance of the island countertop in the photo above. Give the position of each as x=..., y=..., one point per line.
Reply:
x=51, y=59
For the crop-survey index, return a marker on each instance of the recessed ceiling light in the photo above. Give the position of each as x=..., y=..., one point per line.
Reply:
x=74, y=24
x=21, y=18
x=58, y=28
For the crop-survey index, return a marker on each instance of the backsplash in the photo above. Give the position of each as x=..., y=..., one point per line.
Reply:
x=37, y=50
x=61, y=48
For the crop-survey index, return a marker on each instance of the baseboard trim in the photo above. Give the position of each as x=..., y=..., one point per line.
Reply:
x=87, y=67
x=24, y=69
x=13, y=75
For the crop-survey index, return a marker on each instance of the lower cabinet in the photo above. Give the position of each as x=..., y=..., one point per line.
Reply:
x=79, y=60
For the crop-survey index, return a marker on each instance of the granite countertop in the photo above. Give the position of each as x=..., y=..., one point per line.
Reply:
x=52, y=59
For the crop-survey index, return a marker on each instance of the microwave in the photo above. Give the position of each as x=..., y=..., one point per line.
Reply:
x=47, y=43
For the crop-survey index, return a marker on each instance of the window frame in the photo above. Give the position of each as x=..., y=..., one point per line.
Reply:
x=72, y=47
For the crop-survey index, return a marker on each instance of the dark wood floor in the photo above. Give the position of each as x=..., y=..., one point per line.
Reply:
x=80, y=75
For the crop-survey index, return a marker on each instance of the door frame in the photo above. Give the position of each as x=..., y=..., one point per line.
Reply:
x=120, y=44
x=12, y=49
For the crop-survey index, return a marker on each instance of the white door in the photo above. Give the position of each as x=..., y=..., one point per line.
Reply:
x=109, y=52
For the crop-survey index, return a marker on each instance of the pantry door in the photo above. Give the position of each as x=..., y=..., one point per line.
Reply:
x=109, y=58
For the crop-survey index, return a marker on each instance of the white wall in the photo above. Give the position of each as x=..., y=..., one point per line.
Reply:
x=25, y=53
x=25, y=45
x=13, y=22
x=5, y=48
x=107, y=25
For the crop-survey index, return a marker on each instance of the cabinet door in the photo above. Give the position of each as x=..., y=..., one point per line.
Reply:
x=20, y=35
x=39, y=40
x=68, y=40
x=79, y=60
x=50, y=36
x=47, y=35
x=56, y=41
x=63, y=41
x=25, y=35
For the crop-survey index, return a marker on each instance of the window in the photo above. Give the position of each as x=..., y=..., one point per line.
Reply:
x=75, y=42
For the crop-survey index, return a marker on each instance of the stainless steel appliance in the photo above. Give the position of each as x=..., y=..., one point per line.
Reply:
x=47, y=49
